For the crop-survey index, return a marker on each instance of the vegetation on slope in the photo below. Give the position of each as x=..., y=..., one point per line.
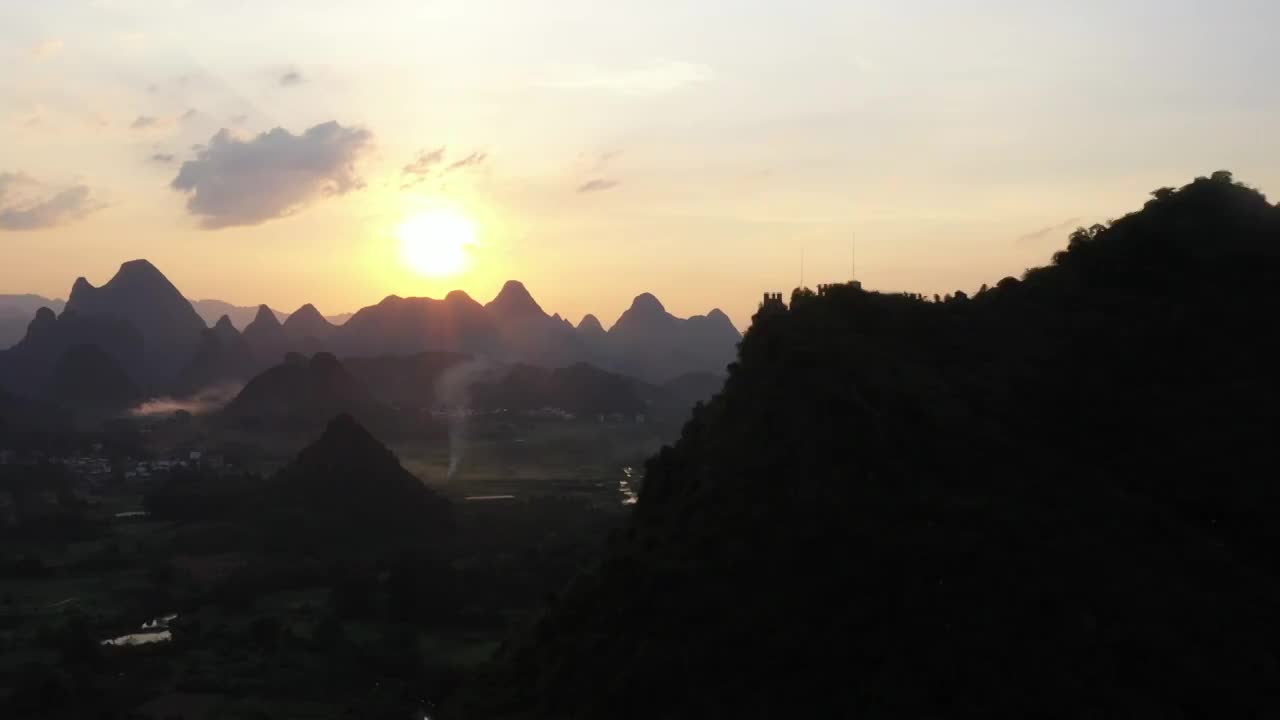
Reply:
x=1048, y=499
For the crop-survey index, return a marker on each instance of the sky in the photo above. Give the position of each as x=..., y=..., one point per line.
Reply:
x=269, y=152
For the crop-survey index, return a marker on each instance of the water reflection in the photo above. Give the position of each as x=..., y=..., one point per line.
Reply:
x=629, y=496
x=152, y=631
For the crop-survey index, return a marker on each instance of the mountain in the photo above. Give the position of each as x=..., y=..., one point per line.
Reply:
x=86, y=377
x=308, y=325
x=300, y=391
x=651, y=343
x=590, y=327
x=142, y=296
x=177, y=353
x=580, y=389
x=1043, y=500
x=345, y=499
x=347, y=490
x=406, y=382
x=684, y=391
x=240, y=316
x=27, y=367
x=646, y=342
x=16, y=312
x=513, y=303
x=265, y=336
x=223, y=358
x=403, y=326
x=20, y=414
x=528, y=334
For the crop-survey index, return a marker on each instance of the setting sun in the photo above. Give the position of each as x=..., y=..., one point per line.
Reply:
x=437, y=243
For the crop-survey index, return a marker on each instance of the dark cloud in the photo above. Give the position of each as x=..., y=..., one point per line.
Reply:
x=191, y=113
x=1051, y=230
x=236, y=181
x=239, y=119
x=597, y=185
x=145, y=121
x=163, y=158
x=291, y=78
x=37, y=213
x=473, y=160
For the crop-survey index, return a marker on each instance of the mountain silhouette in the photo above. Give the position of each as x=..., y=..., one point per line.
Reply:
x=223, y=358
x=300, y=391
x=406, y=382
x=142, y=296
x=265, y=335
x=16, y=312
x=1043, y=500
x=514, y=301
x=26, y=368
x=177, y=352
x=590, y=327
x=86, y=377
x=212, y=310
x=527, y=333
x=651, y=343
x=402, y=326
x=306, y=324
x=347, y=490
x=580, y=389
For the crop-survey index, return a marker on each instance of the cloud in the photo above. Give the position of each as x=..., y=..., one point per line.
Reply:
x=1051, y=230
x=47, y=49
x=189, y=114
x=473, y=160
x=425, y=162
x=235, y=181
x=239, y=119
x=10, y=181
x=655, y=78
x=425, y=166
x=603, y=160
x=291, y=78
x=24, y=207
x=163, y=158
x=597, y=185
x=144, y=122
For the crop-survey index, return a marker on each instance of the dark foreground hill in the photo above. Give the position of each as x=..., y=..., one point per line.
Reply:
x=348, y=490
x=301, y=391
x=343, y=495
x=1048, y=500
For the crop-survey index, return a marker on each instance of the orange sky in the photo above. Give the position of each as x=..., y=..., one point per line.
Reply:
x=693, y=152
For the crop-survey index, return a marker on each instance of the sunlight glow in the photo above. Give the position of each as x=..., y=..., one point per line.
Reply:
x=437, y=243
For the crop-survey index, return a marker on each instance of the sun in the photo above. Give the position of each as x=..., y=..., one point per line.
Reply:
x=437, y=243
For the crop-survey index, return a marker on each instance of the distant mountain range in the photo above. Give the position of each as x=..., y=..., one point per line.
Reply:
x=164, y=345
x=302, y=392
x=16, y=312
x=241, y=315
